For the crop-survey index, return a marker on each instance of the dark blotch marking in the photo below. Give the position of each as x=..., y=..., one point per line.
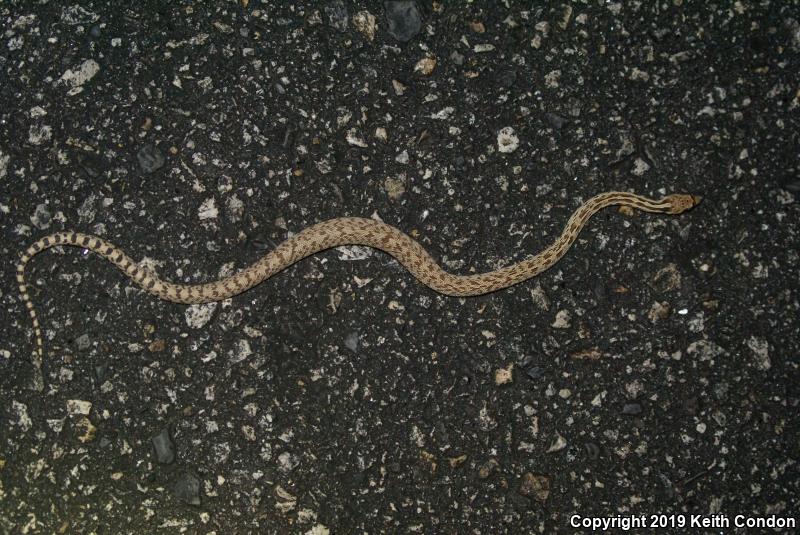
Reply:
x=151, y=284
x=85, y=240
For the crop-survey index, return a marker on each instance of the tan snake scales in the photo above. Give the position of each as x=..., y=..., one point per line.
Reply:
x=343, y=231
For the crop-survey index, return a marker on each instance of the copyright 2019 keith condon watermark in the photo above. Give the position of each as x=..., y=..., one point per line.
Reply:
x=637, y=522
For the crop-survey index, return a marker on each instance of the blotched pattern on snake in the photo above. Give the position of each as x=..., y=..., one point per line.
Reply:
x=345, y=231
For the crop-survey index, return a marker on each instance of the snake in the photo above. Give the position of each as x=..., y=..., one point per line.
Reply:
x=338, y=232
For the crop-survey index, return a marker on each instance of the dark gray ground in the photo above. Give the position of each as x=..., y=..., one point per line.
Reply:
x=653, y=370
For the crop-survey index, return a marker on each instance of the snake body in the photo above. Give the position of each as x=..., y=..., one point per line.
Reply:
x=345, y=231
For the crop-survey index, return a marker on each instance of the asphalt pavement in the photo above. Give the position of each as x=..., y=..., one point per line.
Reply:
x=648, y=381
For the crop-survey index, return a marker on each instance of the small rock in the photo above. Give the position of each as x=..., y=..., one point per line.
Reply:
x=208, y=209
x=222, y=27
x=187, y=489
x=504, y=375
x=150, y=158
x=23, y=419
x=78, y=406
x=552, y=78
x=286, y=501
x=507, y=140
x=287, y=462
x=157, y=346
x=82, y=74
x=234, y=208
x=354, y=139
x=164, y=447
x=351, y=342
x=535, y=372
x=542, y=27
x=477, y=26
x=558, y=444
x=4, y=159
x=89, y=430
x=562, y=320
x=425, y=66
x=640, y=167
x=337, y=15
x=701, y=427
x=364, y=21
x=539, y=297
x=632, y=409
x=760, y=349
x=592, y=450
x=41, y=217
x=456, y=461
x=592, y=353
x=667, y=279
x=566, y=14
x=101, y=372
x=197, y=316
x=487, y=468
x=403, y=19
x=658, y=311
x=83, y=342
x=443, y=114
x=485, y=420
x=535, y=485
x=39, y=134
x=395, y=188
x=240, y=352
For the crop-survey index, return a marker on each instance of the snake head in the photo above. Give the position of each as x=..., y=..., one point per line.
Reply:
x=681, y=202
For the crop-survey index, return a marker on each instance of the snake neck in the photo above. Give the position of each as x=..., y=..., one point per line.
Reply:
x=552, y=254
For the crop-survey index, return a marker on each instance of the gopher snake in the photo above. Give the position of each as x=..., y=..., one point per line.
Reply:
x=345, y=231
